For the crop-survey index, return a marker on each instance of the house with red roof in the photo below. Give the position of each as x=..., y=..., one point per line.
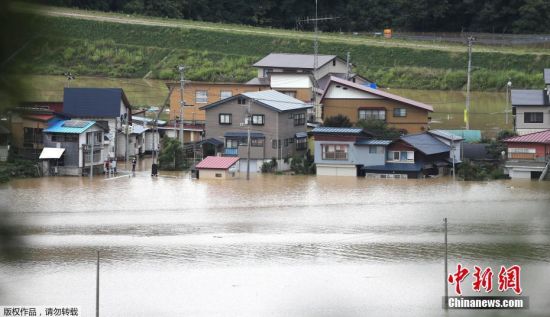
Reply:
x=26, y=124
x=361, y=102
x=528, y=155
x=218, y=167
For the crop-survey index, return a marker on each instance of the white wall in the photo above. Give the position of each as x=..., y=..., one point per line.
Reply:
x=344, y=92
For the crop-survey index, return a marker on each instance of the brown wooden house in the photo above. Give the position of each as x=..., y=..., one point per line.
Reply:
x=359, y=102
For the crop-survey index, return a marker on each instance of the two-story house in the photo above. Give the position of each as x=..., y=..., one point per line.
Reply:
x=531, y=110
x=277, y=125
x=71, y=147
x=360, y=102
x=108, y=107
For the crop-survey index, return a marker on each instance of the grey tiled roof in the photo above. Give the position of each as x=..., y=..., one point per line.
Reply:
x=276, y=100
x=331, y=130
x=373, y=142
x=426, y=143
x=528, y=97
x=285, y=60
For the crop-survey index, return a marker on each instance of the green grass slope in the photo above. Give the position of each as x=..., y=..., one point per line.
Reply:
x=131, y=48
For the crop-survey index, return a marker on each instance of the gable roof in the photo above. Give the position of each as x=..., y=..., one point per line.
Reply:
x=217, y=162
x=547, y=76
x=288, y=60
x=272, y=99
x=529, y=97
x=446, y=135
x=94, y=102
x=376, y=92
x=69, y=126
x=426, y=143
x=537, y=137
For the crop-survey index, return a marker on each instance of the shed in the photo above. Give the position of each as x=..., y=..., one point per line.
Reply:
x=221, y=167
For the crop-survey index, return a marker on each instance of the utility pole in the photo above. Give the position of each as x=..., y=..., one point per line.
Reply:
x=97, y=287
x=155, y=124
x=453, y=154
x=446, y=269
x=126, y=147
x=315, y=55
x=471, y=40
x=70, y=77
x=508, y=90
x=248, y=123
x=181, y=69
x=348, y=65
x=92, y=155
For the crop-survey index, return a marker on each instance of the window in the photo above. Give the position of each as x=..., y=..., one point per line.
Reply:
x=225, y=94
x=225, y=118
x=257, y=142
x=301, y=144
x=533, y=117
x=334, y=151
x=299, y=119
x=276, y=144
x=231, y=143
x=201, y=96
x=243, y=142
x=258, y=119
x=31, y=136
x=66, y=138
x=290, y=93
x=241, y=101
x=369, y=114
x=402, y=156
x=291, y=140
x=218, y=174
x=98, y=138
x=399, y=112
x=286, y=142
x=373, y=149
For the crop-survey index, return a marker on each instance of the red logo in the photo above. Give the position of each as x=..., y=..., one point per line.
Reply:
x=508, y=278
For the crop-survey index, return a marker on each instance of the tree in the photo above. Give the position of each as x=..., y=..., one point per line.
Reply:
x=171, y=156
x=338, y=121
x=379, y=128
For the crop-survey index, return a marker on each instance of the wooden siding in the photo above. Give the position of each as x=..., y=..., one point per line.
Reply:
x=192, y=111
x=415, y=121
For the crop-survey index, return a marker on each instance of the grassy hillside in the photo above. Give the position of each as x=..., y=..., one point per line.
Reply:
x=115, y=46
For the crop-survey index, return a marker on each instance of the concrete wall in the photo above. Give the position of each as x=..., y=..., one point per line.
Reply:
x=217, y=174
x=336, y=170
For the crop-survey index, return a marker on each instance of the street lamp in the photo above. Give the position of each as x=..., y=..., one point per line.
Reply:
x=508, y=90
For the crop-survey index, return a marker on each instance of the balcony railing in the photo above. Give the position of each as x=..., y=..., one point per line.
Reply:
x=231, y=152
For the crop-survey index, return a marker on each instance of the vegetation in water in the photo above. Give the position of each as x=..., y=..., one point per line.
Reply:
x=171, y=156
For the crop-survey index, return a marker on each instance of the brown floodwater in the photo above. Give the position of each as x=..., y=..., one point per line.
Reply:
x=273, y=246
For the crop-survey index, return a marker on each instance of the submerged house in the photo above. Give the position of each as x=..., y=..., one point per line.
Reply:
x=528, y=155
x=414, y=156
x=277, y=123
x=107, y=107
x=218, y=167
x=354, y=152
x=531, y=108
x=72, y=146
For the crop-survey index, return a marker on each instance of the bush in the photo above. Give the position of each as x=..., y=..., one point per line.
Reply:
x=302, y=165
x=338, y=121
x=269, y=167
x=171, y=156
x=379, y=128
x=17, y=168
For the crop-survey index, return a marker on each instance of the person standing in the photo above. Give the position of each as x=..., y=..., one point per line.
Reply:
x=134, y=162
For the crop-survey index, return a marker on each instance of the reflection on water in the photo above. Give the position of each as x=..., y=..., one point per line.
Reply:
x=277, y=245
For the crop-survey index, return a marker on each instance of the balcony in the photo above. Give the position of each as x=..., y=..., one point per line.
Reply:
x=231, y=152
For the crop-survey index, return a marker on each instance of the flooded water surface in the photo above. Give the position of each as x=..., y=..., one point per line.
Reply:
x=273, y=246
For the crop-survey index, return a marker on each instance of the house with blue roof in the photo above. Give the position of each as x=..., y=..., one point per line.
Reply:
x=71, y=147
x=108, y=107
x=355, y=152
x=277, y=123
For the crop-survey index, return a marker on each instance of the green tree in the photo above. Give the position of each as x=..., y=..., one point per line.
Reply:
x=379, y=128
x=171, y=156
x=338, y=121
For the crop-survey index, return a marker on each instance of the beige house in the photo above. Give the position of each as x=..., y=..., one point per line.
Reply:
x=218, y=167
